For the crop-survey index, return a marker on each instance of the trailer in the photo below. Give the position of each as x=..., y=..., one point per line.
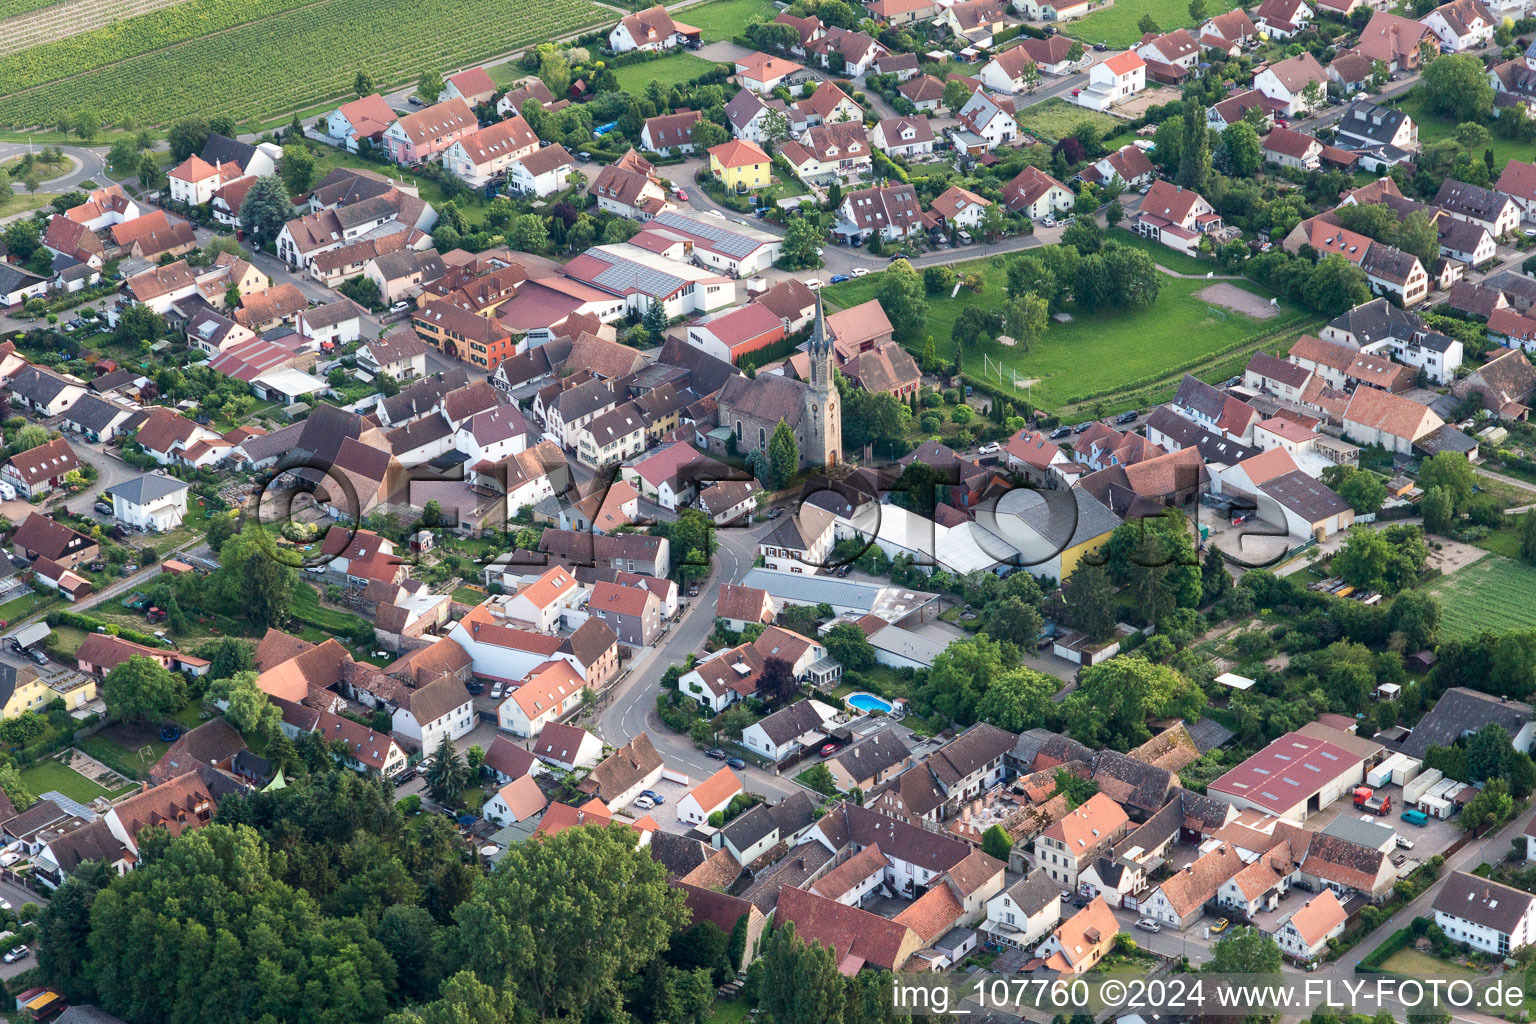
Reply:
x=1399, y=769
x=1420, y=785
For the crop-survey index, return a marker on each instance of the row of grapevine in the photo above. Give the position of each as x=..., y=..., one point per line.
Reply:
x=11, y=8
x=296, y=58
x=69, y=54
x=69, y=19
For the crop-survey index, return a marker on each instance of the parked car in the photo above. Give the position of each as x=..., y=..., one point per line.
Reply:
x=1127, y=417
x=1404, y=843
x=652, y=794
x=831, y=747
x=989, y=449
x=18, y=953
x=682, y=194
x=775, y=513
x=1100, y=47
x=737, y=763
x=475, y=688
x=1146, y=924
x=1082, y=426
x=40, y=657
x=1060, y=432
x=814, y=284
x=839, y=278
x=1220, y=925
x=715, y=754
x=644, y=803
x=859, y=271
x=104, y=507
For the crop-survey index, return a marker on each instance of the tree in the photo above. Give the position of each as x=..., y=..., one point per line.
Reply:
x=1168, y=141
x=1018, y=700
x=362, y=85
x=1491, y=806
x=975, y=325
x=1197, y=11
x=186, y=137
x=87, y=124
x=13, y=787
x=1417, y=234
x=139, y=690
x=449, y=774
x=956, y=95
x=265, y=209
x=248, y=708
x=1148, y=24
x=1451, y=471
x=1438, y=509
x=1014, y=620
x=429, y=86
x=1195, y=153
x=800, y=983
x=801, y=244
x=1115, y=700
x=1026, y=318
x=252, y=581
x=1457, y=86
x=901, y=296
x=1366, y=492
x=777, y=681
x=64, y=928
x=1244, y=153
x=149, y=172
x=1089, y=600
x=1335, y=285
x=227, y=655
x=848, y=645
x=1528, y=538
x=1246, y=950
x=555, y=72
x=783, y=454
x=1214, y=580
x=29, y=437
x=995, y=843
x=298, y=168
x=961, y=674
x=1416, y=615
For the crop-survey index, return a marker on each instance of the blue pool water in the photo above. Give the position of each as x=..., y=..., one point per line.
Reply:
x=869, y=702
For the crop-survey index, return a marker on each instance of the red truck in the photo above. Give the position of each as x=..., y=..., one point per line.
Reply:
x=1368, y=801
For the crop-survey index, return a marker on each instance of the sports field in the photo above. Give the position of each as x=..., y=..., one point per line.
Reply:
x=1492, y=595
x=1117, y=25
x=1092, y=352
x=260, y=59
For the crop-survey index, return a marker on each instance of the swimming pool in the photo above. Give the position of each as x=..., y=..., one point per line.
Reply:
x=869, y=702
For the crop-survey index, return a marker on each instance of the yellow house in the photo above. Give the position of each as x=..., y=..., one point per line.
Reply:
x=1091, y=530
x=739, y=165
x=21, y=690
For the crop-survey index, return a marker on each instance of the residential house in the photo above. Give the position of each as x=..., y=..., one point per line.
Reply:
x=1503, y=384
x=709, y=797
x=1304, y=933
x=1282, y=19
x=365, y=119
x=832, y=151
x=1022, y=914
x=1128, y=165
x=891, y=210
x=1292, y=149
x=1397, y=42
x=1222, y=115
x=441, y=709
x=801, y=543
x=988, y=119
x=869, y=762
x=1297, y=84
x=1071, y=844
x=153, y=501
x=41, y=537
x=791, y=729
x=906, y=137
x=39, y=471
x=650, y=29
x=1182, y=899
x=633, y=613
x=667, y=132
x=959, y=209
x=543, y=172
x=762, y=73
x=1461, y=25
x=740, y=166
x=1493, y=210
x=1113, y=81
x=1227, y=32
x=518, y=800
x=479, y=157
x=973, y=22
x=1081, y=941
x=1383, y=136
x=1175, y=216
x=474, y=86
x=1036, y=194
x=549, y=692
x=567, y=747
x=421, y=136
x=924, y=92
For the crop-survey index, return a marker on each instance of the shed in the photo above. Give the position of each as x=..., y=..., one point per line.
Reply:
x=29, y=636
x=1235, y=681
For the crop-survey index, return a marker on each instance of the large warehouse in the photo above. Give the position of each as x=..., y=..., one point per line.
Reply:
x=1294, y=776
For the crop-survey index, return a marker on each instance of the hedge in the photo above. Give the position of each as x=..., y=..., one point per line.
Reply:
x=68, y=618
x=1398, y=940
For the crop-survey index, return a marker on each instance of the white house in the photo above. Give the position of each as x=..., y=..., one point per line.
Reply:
x=789, y=730
x=441, y=709
x=1114, y=81
x=1282, y=19
x=1460, y=25
x=990, y=118
x=567, y=746
x=1036, y=194
x=519, y=799
x=1291, y=80
x=551, y=691
x=1305, y=933
x=351, y=123
x=801, y=543
x=903, y=136
x=541, y=604
x=1485, y=915
x=542, y=172
x=335, y=323
x=650, y=29
x=153, y=501
x=479, y=157
x=713, y=794
x=1024, y=913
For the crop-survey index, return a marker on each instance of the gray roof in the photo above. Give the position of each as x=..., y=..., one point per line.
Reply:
x=14, y=278
x=751, y=827
x=873, y=754
x=1470, y=200
x=1371, y=121
x=1213, y=447
x=144, y=489
x=39, y=386
x=1208, y=734
x=906, y=644
x=800, y=589
x=95, y=414
x=1308, y=498
x=1370, y=834
x=1447, y=438
x=736, y=242
x=87, y=1014
x=1483, y=902
x=1034, y=892
x=1033, y=742
x=1460, y=711
x=787, y=723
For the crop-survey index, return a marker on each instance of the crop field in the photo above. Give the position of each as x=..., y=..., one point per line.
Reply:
x=1056, y=118
x=1493, y=594
x=11, y=8
x=1092, y=352
x=724, y=19
x=291, y=58
x=673, y=70
x=1117, y=25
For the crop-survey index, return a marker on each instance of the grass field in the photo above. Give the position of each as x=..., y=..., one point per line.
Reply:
x=1117, y=25
x=253, y=59
x=724, y=19
x=672, y=70
x=21, y=202
x=1414, y=964
x=50, y=774
x=1493, y=595
x=1433, y=127
x=1056, y=118
x=1093, y=352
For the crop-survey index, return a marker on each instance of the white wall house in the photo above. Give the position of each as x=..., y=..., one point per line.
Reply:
x=442, y=708
x=1484, y=914
x=153, y=501
x=546, y=695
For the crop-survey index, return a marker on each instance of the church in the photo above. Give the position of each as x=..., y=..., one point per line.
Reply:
x=751, y=409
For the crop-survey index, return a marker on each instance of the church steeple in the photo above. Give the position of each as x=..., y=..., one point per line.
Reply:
x=822, y=405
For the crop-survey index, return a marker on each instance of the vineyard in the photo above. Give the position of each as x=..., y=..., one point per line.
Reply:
x=50, y=23
x=11, y=8
x=293, y=58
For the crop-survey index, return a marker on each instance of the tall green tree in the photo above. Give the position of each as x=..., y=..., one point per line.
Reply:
x=186, y=137
x=783, y=454
x=1195, y=153
x=1018, y=700
x=249, y=709
x=901, y=295
x=1457, y=86
x=1115, y=700
x=265, y=209
x=298, y=167
x=448, y=775
x=1089, y=600
x=139, y=690
x=800, y=981
x=252, y=580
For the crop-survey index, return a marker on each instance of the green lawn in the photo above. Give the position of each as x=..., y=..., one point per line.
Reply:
x=1093, y=352
x=20, y=607
x=1163, y=256
x=671, y=70
x=1412, y=963
x=52, y=775
x=1056, y=118
x=120, y=759
x=21, y=202
x=1494, y=594
x=1433, y=127
x=725, y=19
x=1117, y=25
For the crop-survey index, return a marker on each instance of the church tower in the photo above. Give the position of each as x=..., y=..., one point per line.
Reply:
x=823, y=407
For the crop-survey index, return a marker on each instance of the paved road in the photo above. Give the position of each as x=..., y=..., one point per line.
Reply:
x=88, y=165
x=630, y=708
